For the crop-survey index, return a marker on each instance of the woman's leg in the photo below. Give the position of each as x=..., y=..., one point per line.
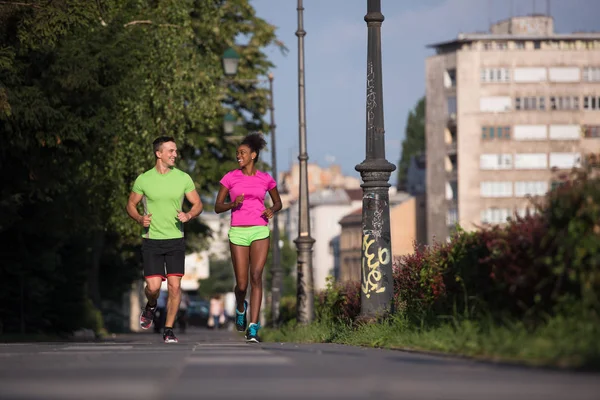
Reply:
x=258, y=257
x=240, y=256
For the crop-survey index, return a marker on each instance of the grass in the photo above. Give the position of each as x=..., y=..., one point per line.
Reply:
x=563, y=341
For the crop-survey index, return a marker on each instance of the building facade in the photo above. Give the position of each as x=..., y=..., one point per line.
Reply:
x=506, y=111
x=407, y=226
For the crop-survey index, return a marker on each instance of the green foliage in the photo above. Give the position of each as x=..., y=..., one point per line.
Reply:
x=414, y=140
x=288, y=263
x=524, y=291
x=573, y=238
x=84, y=89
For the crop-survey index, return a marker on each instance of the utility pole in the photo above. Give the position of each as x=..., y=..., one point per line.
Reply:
x=376, y=278
x=276, y=282
x=304, y=242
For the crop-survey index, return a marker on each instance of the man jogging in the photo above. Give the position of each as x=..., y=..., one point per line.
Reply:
x=162, y=190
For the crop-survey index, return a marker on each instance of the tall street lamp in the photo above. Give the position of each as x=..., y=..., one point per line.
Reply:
x=276, y=271
x=376, y=277
x=229, y=122
x=230, y=65
x=231, y=60
x=304, y=242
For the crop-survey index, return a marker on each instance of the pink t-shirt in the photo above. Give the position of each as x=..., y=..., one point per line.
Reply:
x=254, y=188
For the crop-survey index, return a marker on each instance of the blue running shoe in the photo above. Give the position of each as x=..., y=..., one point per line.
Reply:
x=240, y=318
x=252, y=333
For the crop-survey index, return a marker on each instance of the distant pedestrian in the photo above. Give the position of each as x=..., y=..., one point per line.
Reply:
x=217, y=312
x=163, y=189
x=249, y=234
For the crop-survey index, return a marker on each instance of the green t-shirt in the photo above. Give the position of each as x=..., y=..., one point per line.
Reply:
x=163, y=196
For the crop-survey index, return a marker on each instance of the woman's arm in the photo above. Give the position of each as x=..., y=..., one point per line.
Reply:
x=221, y=206
x=268, y=212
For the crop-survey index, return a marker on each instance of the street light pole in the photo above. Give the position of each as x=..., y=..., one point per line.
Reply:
x=376, y=277
x=276, y=267
x=304, y=242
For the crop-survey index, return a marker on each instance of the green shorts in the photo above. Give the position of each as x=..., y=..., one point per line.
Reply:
x=245, y=235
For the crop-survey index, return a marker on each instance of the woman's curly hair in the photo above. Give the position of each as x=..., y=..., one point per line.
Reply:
x=255, y=141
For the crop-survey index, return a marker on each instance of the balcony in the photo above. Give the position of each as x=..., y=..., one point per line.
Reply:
x=452, y=175
x=451, y=122
x=451, y=148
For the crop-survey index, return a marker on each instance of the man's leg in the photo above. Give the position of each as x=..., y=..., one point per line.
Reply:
x=152, y=289
x=174, y=285
x=175, y=263
x=154, y=271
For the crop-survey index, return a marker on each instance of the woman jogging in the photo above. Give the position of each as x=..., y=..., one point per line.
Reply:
x=249, y=233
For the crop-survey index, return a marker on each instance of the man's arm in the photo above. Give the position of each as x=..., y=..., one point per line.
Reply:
x=134, y=199
x=194, y=198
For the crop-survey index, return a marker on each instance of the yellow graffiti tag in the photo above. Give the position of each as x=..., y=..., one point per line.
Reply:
x=371, y=279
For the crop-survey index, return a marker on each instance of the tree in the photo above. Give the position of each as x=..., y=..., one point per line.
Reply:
x=414, y=141
x=84, y=89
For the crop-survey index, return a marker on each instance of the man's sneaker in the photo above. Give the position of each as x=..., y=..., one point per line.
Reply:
x=169, y=336
x=252, y=333
x=240, y=318
x=147, y=316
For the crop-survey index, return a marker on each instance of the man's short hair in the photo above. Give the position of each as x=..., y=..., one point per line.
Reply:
x=158, y=142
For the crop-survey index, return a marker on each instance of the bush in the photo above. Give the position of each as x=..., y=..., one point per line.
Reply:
x=338, y=302
x=525, y=269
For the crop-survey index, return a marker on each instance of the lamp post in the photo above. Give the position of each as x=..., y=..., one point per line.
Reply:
x=229, y=123
x=304, y=242
x=231, y=60
x=376, y=255
x=276, y=282
x=230, y=65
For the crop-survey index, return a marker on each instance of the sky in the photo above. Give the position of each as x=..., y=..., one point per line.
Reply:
x=335, y=49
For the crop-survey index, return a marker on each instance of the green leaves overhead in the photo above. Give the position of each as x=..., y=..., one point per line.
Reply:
x=85, y=87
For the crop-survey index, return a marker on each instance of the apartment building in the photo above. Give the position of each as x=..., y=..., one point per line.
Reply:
x=506, y=110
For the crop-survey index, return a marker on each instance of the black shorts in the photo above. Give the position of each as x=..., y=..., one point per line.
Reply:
x=163, y=257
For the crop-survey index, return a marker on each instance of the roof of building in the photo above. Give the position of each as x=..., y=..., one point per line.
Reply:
x=355, y=194
x=474, y=37
x=352, y=218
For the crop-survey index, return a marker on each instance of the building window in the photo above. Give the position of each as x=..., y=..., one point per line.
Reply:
x=495, y=104
x=495, y=132
x=451, y=105
x=565, y=74
x=530, y=188
x=523, y=212
x=495, y=161
x=537, y=45
x=495, y=215
x=450, y=78
x=591, y=131
x=591, y=74
x=531, y=161
x=530, y=103
x=565, y=103
x=488, y=46
x=530, y=132
x=452, y=217
x=519, y=45
x=591, y=102
x=495, y=75
x=565, y=160
x=495, y=189
x=565, y=132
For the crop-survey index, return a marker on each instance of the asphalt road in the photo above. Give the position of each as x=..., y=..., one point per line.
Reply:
x=220, y=365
